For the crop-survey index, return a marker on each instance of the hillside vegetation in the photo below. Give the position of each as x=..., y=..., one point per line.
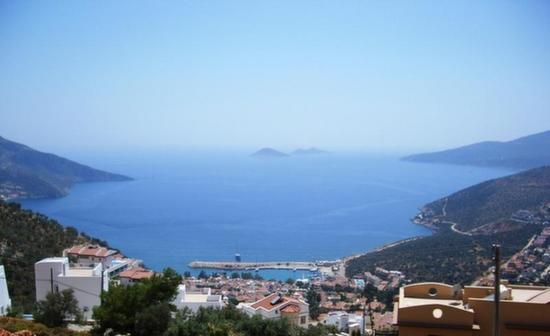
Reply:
x=455, y=257
x=25, y=238
x=523, y=153
x=15, y=324
x=494, y=200
x=28, y=173
x=444, y=257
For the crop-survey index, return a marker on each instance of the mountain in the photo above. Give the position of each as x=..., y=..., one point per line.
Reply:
x=492, y=201
x=523, y=153
x=507, y=210
x=25, y=238
x=269, y=153
x=308, y=151
x=28, y=173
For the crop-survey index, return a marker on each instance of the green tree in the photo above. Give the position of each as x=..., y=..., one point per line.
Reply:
x=153, y=320
x=56, y=308
x=132, y=309
x=313, y=299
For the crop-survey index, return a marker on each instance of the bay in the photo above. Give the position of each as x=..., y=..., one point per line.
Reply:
x=185, y=206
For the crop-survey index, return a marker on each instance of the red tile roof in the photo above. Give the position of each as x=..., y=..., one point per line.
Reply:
x=91, y=251
x=291, y=308
x=265, y=303
x=136, y=273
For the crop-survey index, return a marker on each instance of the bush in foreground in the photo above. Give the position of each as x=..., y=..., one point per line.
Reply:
x=12, y=324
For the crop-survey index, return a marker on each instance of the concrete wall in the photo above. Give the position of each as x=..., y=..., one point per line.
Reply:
x=517, y=318
x=431, y=290
x=448, y=315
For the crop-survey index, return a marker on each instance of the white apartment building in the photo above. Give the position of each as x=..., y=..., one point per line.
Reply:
x=57, y=274
x=5, y=301
x=346, y=322
x=195, y=300
x=276, y=305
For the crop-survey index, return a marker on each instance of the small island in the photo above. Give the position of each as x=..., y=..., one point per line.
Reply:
x=269, y=153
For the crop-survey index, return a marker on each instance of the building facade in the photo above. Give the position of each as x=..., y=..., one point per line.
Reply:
x=345, y=322
x=195, y=300
x=435, y=309
x=87, y=283
x=89, y=255
x=133, y=275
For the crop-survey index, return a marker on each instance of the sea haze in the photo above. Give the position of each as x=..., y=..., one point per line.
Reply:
x=208, y=206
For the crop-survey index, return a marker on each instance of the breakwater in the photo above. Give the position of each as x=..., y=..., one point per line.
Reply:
x=228, y=265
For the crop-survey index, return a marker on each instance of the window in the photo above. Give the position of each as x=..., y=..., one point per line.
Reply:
x=302, y=319
x=432, y=291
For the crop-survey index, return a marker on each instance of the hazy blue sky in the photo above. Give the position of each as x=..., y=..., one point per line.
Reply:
x=334, y=74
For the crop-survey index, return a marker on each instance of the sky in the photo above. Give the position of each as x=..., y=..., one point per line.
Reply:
x=361, y=75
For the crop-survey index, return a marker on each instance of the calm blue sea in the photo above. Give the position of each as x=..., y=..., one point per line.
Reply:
x=208, y=206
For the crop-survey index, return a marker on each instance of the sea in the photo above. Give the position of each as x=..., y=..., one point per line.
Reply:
x=190, y=205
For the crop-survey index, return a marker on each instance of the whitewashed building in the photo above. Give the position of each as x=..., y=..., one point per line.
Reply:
x=276, y=306
x=87, y=283
x=195, y=300
x=346, y=322
x=5, y=301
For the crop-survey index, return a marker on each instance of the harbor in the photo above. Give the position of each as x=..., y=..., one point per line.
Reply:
x=268, y=265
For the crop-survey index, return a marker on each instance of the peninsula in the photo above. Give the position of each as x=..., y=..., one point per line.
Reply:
x=28, y=173
x=523, y=153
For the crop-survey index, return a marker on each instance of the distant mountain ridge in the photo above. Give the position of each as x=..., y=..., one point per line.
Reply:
x=28, y=173
x=527, y=152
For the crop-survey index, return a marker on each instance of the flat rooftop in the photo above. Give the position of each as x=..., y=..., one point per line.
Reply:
x=411, y=302
x=201, y=298
x=80, y=272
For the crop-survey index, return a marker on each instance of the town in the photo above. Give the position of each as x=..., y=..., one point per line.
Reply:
x=380, y=303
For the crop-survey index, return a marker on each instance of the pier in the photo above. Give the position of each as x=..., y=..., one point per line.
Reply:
x=277, y=265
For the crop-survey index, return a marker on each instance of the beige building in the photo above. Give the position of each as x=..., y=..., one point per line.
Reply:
x=435, y=309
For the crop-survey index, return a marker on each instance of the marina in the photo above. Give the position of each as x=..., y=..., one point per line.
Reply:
x=276, y=265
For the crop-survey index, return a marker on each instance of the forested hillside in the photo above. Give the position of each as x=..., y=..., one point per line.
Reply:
x=445, y=256
x=494, y=200
x=28, y=173
x=25, y=238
